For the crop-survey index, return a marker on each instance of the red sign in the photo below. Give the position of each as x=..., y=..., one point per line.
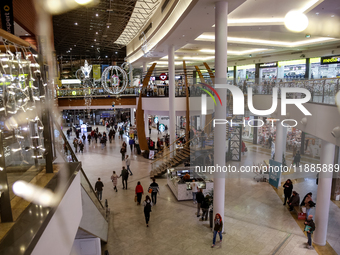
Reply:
x=163, y=76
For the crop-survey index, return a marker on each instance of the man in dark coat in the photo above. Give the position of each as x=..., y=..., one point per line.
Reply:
x=125, y=175
x=294, y=201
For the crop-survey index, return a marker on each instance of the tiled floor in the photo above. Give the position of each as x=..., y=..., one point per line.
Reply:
x=255, y=220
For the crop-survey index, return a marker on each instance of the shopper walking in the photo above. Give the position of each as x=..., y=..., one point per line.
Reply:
x=147, y=209
x=288, y=188
x=194, y=189
x=127, y=162
x=309, y=228
x=205, y=207
x=125, y=175
x=75, y=144
x=84, y=138
x=131, y=143
x=270, y=139
x=123, y=151
x=154, y=190
x=114, y=178
x=199, y=199
x=297, y=159
x=81, y=147
x=89, y=138
x=139, y=192
x=99, y=188
x=243, y=149
x=217, y=228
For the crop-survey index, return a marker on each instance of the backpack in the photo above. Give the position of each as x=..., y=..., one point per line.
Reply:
x=147, y=207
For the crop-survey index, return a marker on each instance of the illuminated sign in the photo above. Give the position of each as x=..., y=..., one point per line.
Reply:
x=265, y=65
x=163, y=76
x=330, y=60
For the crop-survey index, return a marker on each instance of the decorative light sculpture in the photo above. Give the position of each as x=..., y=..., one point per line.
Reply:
x=114, y=80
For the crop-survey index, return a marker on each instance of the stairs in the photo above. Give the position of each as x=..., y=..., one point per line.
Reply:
x=181, y=156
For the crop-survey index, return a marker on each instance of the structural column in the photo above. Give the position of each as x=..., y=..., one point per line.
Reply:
x=131, y=77
x=172, y=114
x=145, y=69
x=146, y=123
x=280, y=141
x=221, y=34
x=132, y=116
x=324, y=193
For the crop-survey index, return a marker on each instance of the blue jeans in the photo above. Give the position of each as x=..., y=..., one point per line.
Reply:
x=99, y=194
x=309, y=235
x=194, y=196
x=307, y=212
x=220, y=234
x=128, y=168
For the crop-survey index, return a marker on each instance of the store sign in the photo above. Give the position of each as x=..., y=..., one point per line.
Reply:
x=155, y=120
x=266, y=65
x=161, y=127
x=7, y=19
x=330, y=60
x=165, y=118
x=163, y=76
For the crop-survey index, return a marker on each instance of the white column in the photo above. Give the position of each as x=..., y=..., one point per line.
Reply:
x=132, y=116
x=221, y=35
x=202, y=124
x=131, y=77
x=145, y=69
x=146, y=123
x=172, y=113
x=280, y=141
x=323, y=194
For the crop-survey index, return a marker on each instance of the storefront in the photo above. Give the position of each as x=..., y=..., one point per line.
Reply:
x=245, y=73
x=325, y=67
x=268, y=72
x=230, y=75
x=291, y=70
x=248, y=131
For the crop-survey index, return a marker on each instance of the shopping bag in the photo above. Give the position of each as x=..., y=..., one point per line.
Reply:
x=150, y=190
x=135, y=199
x=301, y=216
x=303, y=209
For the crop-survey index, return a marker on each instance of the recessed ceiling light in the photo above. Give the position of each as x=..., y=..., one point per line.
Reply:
x=116, y=52
x=96, y=14
x=75, y=45
x=95, y=40
x=332, y=16
x=26, y=34
x=96, y=33
x=92, y=46
x=76, y=24
x=108, y=26
x=317, y=13
x=106, y=56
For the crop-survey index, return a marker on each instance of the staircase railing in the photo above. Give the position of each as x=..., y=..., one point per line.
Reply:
x=167, y=156
x=66, y=151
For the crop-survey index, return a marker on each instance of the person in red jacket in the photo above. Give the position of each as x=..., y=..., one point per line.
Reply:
x=139, y=192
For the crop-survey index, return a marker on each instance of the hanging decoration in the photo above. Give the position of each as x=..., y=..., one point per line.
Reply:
x=83, y=74
x=114, y=80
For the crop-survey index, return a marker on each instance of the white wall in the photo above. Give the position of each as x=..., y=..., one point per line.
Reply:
x=60, y=232
x=320, y=124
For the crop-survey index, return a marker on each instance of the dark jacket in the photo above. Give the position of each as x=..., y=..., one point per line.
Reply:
x=205, y=203
x=199, y=197
x=124, y=174
x=294, y=200
x=99, y=186
x=288, y=190
x=154, y=186
x=297, y=158
x=218, y=225
x=311, y=224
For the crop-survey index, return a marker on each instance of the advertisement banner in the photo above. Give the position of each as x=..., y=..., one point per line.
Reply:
x=103, y=68
x=7, y=19
x=96, y=72
x=274, y=173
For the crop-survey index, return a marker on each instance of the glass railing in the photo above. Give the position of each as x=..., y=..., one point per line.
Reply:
x=65, y=149
x=322, y=90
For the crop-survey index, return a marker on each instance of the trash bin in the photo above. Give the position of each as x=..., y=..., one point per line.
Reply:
x=211, y=218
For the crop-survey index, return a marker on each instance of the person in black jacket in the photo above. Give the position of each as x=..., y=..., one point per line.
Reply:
x=125, y=175
x=199, y=199
x=294, y=201
x=297, y=159
x=99, y=188
x=288, y=188
x=309, y=228
x=205, y=207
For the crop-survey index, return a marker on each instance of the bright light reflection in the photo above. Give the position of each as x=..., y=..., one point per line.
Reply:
x=296, y=21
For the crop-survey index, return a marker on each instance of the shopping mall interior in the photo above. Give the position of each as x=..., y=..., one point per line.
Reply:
x=169, y=127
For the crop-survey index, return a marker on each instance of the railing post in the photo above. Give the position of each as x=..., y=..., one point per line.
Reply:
x=323, y=91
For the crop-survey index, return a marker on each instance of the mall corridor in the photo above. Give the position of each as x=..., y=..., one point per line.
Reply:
x=255, y=220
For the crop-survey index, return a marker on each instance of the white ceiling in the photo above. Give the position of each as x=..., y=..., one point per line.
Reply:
x=278, y=39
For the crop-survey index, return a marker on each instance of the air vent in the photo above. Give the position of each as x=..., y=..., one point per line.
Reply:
x=266, y=56
x=241, y=59
x=296, y=52
x=165, y=4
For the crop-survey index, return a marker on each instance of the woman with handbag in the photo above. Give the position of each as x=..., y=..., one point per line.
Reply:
x=288, y=188
x=114, y=178
x=139, y=192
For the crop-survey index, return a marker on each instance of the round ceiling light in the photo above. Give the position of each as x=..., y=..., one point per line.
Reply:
x=296, y=21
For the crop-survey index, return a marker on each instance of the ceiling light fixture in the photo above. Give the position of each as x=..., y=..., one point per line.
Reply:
x=76, y=24
x=82, y=2
x=96, y=14
x=296, y=21
x=96, y=33
x=108, y=26
x=259, y=41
